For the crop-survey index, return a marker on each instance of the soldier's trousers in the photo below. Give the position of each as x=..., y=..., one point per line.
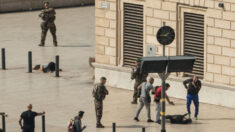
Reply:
x=45, y=27
x=136, y=91
x=98, y=111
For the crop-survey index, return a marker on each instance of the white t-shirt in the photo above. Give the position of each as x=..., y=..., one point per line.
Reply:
x=146, y=87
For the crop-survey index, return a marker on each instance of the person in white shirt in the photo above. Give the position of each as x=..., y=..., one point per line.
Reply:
x=145, y=98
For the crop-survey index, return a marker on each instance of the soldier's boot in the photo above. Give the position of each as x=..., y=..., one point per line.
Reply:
x=41, y=44
x=134, y=101
x=54, y=40
x=99, y=126
x=55, y=44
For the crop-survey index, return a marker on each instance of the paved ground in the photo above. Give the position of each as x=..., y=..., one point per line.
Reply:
x=62, y=97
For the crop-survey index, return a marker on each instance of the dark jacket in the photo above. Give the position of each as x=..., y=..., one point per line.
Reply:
x=77, y=125
x=193, y=90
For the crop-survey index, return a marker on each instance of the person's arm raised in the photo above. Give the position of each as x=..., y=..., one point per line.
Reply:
x=186, y=83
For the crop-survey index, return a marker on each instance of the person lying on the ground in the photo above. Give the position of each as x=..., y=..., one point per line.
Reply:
x=46, y=68
x=179, y=119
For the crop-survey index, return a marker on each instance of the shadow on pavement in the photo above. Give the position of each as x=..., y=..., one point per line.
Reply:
x=70, y=46
x=130, y=126
x=228, y=119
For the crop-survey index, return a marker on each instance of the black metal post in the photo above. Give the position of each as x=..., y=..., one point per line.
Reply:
x=143, y=129
x=114, y=127
x=163, y=101
x=3, y=59
x=43, y=124
x=30, y=62
x=3, y=123
x=57, y=68
x=163, y=96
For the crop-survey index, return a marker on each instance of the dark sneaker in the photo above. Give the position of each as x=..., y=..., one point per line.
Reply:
x=136, y=119
x=99, y=126
x=159, y=121
x=55, y=44
x=149, y=120
x=41, y=45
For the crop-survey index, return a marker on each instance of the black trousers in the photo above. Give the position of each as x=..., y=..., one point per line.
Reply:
x=50, y=67
x=28, y=130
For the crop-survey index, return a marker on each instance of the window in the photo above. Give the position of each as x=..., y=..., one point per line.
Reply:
x=194, y=41
x=132, y=33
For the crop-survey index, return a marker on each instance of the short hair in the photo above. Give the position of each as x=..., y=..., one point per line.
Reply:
x=151, y=78
x=80, y=113
x=103, y=78
x=167, y=85
x=36, y=67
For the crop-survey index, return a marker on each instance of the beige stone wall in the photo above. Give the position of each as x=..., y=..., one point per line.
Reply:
x=105, y=32
x=219, y=33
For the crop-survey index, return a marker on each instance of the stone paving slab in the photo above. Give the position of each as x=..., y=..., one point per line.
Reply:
x=62, y=97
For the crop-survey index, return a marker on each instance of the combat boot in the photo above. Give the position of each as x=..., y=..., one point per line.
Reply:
x=99, y=126
x=41, y=44
x=55, y=44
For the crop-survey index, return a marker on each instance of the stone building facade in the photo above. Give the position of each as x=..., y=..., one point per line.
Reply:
x=214, y=32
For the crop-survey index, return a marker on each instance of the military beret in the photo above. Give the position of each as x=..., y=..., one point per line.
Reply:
x=138, y=60
x=46, y=2
x=103, y=78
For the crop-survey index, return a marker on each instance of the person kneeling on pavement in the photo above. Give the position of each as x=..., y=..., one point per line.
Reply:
x=78, y=123
x=157, y=91
x=145, y=98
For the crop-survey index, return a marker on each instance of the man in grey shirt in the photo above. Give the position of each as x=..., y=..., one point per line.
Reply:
x=145, y=98
x=78, y=123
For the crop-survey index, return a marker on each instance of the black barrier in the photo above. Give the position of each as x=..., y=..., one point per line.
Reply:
x=30, y=62
x=57, y=68
x=114, y=127
x=43, y=124
x=3, y=59
x=143, y=129
x=3, y=123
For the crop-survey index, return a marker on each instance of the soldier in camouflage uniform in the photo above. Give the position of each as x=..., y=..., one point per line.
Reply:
x=139, y=78
x=99, y=93
x=48, y=17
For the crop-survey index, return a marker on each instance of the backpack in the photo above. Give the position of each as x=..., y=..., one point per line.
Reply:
x=154, y=92
x=71, y=125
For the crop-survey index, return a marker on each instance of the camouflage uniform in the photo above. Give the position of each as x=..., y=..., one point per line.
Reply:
x=99, y=93
x=139, y=78
x=48, y=17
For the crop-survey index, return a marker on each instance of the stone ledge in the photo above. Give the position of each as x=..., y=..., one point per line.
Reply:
x=170, y=78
